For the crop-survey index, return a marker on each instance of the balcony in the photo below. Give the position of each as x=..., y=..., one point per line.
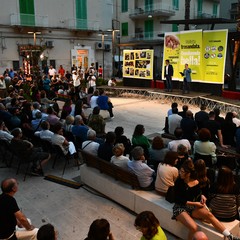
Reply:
x=204, y=15
x=144, y=36
x=83, y=24
x=28, y=20
x=155, y=10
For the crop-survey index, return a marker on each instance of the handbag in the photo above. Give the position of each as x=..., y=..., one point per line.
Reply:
x=170, y=196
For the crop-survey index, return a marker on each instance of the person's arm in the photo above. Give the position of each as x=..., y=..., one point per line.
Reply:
x=22, y=220
x=220, y=138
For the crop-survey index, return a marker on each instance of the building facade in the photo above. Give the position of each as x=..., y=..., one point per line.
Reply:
x=63, y=32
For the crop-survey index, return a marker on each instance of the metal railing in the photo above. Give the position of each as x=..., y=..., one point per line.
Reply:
x=83, y=24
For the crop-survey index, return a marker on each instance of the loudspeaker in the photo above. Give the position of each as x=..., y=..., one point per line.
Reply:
x=96, y=64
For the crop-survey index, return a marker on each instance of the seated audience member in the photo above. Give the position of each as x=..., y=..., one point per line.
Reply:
x=97, y=123
x=104, y=103
x=25, y=149
x=90, y=145
x=118, y=158
x=120, y=138
x=149, y=226
x=67, y=126
x=45, y=133
x=47, y=232
x=15, y=120
x=201, y=175
x=183, y=112
x=138, y=139
x=44, y=100
x=201, y=117
x=174, y=121
x=78, y=110
x=93, y=99
x=167, y=173
x=105, y=149
x=229, y=130
x=189, y=127
x=36, y=123
x=61, y=141
x=203, y=146
x=157, y=152
x=236, y=120
x=190, y=204
x=173, y=105
x=215, y=130
x=5, y=115
x=224, y=196
x=218, y=119
x=145, y=174
x=182, y=153
x=173, y=145
x=67, y=107
x=112, y=82
x=100, y=230
x=52, y=117
x=4, y=132
x=36, y=108
x=79, y=129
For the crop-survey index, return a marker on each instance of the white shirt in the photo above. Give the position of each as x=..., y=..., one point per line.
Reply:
x=90, y=147
x=174, y=121
x=5, y=135
x=76, y=80
x=93, y=101
x=143, y=172
x=52, y=71
x=236, y=121
x=120, y=161
x=166, y=176
x=173, y=145
x=44, y=134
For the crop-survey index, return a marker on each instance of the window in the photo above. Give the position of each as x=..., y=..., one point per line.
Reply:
x=148, y=25
x=125, y=29
x=124, y=5
x=215, y=9
x=81, y=14
x=27, y=16
x=199, y=7
x=175, y=4
x=148, y=5
x=174, y=27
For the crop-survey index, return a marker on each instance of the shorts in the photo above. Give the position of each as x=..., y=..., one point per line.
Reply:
x=178, y=209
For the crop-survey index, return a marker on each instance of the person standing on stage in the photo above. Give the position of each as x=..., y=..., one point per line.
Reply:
x=168, y=73
x=186, y=79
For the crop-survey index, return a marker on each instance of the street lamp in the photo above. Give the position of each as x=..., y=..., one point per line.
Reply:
x=103, y=35
x=115, y=28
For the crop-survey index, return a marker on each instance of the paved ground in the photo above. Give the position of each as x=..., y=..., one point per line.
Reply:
x=72, y=211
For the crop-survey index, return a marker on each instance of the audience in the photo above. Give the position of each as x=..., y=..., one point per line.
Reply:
x=120, y=138
x=119, y=159
x=174, y=121
x=90, y=145
x=47, y=232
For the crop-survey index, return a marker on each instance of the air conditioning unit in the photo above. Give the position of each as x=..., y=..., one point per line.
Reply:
x=98, y=45
x=49, y=44
x=107, y=47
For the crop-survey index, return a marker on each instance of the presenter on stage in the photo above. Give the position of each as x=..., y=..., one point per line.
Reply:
x=186, y=79
x=168, y=73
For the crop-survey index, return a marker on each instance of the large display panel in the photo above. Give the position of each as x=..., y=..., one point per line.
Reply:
x=138, y=64
x=203, y=51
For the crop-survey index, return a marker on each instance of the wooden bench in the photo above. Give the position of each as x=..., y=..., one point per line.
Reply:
x=99, y=176
x=110, y=169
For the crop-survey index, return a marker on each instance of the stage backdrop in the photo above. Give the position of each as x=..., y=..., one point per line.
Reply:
x=138, y=64
x=204, y=51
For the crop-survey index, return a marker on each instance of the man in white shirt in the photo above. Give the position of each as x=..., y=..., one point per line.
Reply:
x=174, y=121
x=235, y=119
x=144, y=173
x=90, y=145
x=52, y=72
x=4, y=133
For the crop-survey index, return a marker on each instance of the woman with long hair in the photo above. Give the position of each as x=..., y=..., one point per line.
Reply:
x=229, y=129
x=190, y=204
x=225, y=196
x=100, y=230
x=148, y=224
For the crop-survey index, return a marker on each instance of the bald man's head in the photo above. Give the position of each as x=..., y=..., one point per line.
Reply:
x=199, y=236
x=8, y=185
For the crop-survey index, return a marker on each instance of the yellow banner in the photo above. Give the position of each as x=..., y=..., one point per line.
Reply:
x=203, y=51
x=138, y=63
x=214, y=48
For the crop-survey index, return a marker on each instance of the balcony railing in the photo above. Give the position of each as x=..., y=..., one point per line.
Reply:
x=144, y=36
x=31, y=20
x=83, y=24
x=155, y=10
x=205, y=15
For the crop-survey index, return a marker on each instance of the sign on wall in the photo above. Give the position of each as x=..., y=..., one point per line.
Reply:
x=138, y=64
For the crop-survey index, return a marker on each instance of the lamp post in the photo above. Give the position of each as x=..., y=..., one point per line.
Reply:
x=114, y=29
x=103, y=35
x=34, y=36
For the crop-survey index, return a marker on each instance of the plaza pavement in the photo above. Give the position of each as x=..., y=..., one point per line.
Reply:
x=72, y=211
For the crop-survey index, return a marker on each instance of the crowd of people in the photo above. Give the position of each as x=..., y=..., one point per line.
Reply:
x=29, y=113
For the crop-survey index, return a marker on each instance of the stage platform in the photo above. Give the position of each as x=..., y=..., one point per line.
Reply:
x=193, y=98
